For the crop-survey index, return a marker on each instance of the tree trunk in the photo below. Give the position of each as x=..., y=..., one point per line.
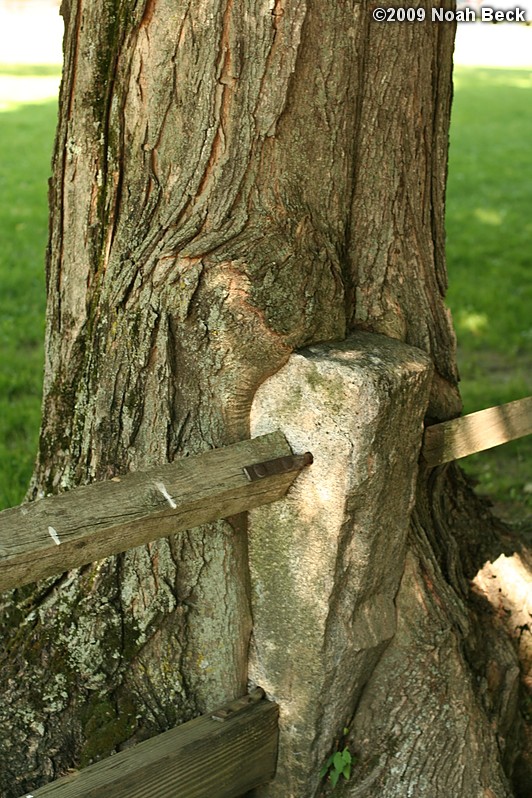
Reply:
x=233, y=181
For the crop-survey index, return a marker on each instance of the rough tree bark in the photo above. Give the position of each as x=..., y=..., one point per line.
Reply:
x=233, y=180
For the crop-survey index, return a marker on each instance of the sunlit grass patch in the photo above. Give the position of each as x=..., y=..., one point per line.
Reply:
x=22, y=84
x=489, y=255
x=26, y=136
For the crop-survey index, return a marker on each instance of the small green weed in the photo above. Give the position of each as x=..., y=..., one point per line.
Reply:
x=338, y=764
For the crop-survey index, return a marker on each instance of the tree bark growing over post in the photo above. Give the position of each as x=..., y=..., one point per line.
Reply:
x=232, y=180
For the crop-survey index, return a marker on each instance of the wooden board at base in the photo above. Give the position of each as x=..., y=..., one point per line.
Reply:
x=203, y=758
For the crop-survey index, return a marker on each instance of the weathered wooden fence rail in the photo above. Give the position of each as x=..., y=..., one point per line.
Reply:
x=220, y=755
x=50, y=536
x=89, y=523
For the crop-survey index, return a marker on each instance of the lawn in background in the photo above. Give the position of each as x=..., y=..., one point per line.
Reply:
x=26, y=137
x=489, y=224
x=489, y=257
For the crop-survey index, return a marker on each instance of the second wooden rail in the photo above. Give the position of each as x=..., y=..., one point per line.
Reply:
x=477, y=432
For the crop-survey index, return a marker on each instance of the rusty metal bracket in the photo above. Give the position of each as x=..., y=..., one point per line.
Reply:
x=293, y=462
x=238, y=705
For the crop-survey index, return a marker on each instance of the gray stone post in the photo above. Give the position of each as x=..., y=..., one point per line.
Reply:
x=326, y=561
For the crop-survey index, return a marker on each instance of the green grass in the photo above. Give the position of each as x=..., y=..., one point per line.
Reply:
x=489, y=226
x=489, y=254
x=26, y=136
